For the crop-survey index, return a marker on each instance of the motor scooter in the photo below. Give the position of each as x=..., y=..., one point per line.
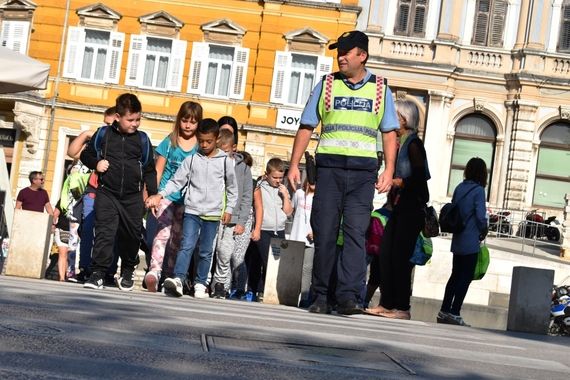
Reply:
x=500, y=223
x=560, y=310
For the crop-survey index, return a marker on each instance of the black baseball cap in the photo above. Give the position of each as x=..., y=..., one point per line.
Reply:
x=350, y=40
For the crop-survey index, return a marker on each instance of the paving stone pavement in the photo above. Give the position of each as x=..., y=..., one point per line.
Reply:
x=51, y=330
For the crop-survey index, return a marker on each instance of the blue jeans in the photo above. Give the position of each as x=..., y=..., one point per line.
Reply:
x=87, y=232
x=195, y=229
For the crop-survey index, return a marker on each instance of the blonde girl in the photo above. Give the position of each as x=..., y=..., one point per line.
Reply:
x=175, y=147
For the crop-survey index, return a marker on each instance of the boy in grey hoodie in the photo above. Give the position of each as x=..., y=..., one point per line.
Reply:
x=211, y=195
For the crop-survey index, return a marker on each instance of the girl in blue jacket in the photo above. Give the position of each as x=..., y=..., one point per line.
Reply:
x=470, y=197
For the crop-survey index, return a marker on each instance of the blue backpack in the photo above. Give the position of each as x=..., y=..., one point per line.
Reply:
x=145, y=143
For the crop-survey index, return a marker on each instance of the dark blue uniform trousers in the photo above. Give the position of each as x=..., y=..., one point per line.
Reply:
x=347, y=194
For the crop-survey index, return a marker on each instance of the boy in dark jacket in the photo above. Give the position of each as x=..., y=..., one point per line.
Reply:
x=119, y=205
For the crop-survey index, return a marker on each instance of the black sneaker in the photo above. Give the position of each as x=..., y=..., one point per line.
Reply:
x=259, y=296
x=219, y=291
x=127, y=280
x=82, y=276
x=95, y=281
x=110, y=281
x=320, y=306
x=349, y=307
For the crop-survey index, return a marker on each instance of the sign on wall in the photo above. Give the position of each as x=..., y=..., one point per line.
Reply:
x=288, y=119
x=7, y=137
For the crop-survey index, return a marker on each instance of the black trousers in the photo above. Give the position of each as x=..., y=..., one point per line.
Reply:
x=398, y=244
x=346, y=194
x=458, y=283
x=257, y=260
x=119, y=218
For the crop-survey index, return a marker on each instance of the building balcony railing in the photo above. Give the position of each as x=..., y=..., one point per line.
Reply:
x=468, y=57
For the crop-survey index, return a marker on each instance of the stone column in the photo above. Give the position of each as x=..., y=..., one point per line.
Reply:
x=539, y=24
x=438, y=141
x=520, y=153
x=565, y=244
x=376, y=20
x=451, y=18
x=523, y=20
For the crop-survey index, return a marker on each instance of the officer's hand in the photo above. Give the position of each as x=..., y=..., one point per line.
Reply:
x=294, y=177
x=384, y=182
x=102, y=166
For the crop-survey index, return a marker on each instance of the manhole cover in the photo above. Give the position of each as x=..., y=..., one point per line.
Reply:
x=305, y=354
x=30, y=329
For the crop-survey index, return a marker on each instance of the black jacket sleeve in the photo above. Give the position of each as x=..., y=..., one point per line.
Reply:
x=149, y=175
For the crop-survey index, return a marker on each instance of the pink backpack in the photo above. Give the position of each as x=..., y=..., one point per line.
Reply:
x=375, y=233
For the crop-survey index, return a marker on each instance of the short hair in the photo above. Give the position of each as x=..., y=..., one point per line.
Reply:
x=231, y=122
x=247, y=159
x=33, y=175
x=187, y=110
x=111, y=111
x=275, y=165
x=225, y=137
x=476, y=171
x=409, y=111
x=127, y=103
x=206, y=126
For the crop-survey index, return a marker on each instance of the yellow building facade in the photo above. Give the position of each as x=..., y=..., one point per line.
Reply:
x=254, y=60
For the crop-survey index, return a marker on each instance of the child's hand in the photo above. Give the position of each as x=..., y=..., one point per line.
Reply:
x=256, y=235
x=310, y=237
x=398, y=182
x=153, y=201
x=102, y=166
x=283, y=191
x=226, y=218
x=239, y=229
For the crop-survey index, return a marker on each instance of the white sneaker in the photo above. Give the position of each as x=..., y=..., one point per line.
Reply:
x=173, y=287
x=200, y=291
x=151, y=281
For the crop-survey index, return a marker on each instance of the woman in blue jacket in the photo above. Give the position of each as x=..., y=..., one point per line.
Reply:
x=470, y=197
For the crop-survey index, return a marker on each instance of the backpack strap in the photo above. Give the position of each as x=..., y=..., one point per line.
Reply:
x=185, y=187
x=101, y=132
x=146, y=148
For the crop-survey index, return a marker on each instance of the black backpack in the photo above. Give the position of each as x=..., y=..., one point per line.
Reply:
x=450, y=219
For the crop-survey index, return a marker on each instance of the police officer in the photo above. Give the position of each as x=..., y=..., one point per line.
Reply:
x=351, y=104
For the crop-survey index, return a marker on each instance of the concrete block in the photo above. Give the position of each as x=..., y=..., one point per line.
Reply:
x=284, y=272
x=499, y=300
x=29, y=244
x=529, y=302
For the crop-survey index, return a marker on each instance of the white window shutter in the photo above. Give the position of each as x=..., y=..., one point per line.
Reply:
x=281, y=76
x=135, y=65
x=15, y=35
x=74, y=52
x=114, y=58
x=198, y=68
x=176, y=67
x=239, y=73
x=324, y=66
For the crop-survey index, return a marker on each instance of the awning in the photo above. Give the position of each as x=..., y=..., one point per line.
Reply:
x=19, y=72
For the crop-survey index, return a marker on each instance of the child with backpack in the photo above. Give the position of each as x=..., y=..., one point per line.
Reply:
x=205, y=177
x=469, y=196
x=122, y=156
x=171, y=152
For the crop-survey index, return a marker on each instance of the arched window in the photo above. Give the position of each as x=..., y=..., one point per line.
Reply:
x=475, y=136
x=553, y=166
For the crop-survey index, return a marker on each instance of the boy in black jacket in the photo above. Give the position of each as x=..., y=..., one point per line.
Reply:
x=119, y=206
